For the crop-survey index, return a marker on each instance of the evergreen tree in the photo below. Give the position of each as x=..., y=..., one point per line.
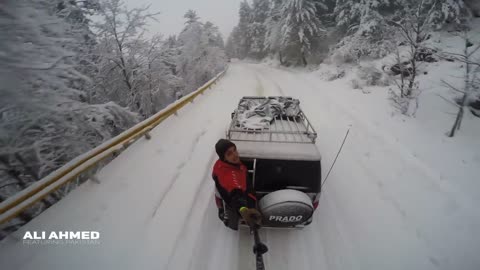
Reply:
x=256, y=32
x=232, y=48
x=363, y=25
x=202, y=53
x=260, y=10
x=214, y=38
x=445, y=12
x=191, y=17
x=300, y=26
x=325, y=11
x=257, y=28
x=365, y=17
x=273, y=29
x=245, y=39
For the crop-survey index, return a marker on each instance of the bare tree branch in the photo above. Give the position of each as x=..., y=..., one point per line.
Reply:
x=452, y=87
x=447, y=100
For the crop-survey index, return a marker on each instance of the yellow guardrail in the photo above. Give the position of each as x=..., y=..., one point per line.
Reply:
x=15, y=205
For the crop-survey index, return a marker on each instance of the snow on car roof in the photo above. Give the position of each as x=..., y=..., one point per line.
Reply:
x=277, y=150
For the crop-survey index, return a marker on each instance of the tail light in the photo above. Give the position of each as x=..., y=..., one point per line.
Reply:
x=315, y=205
x=219, y=202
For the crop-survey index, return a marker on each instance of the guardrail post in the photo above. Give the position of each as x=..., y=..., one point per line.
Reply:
x=147, y=135
x=128, y=143
x=92, y=174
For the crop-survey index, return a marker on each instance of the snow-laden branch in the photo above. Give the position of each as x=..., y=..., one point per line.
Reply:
x=45, y=66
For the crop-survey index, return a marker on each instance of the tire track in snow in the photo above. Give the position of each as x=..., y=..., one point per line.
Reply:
x=200, y=200
x=259, y=88
x=179, y=172
x=265, y=77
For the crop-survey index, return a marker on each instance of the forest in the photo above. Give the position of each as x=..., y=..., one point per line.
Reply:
x=301, y=32
x=77, y=73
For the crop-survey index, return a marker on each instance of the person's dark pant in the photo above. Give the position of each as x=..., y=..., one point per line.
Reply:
x=226, y=214
x=229, y=217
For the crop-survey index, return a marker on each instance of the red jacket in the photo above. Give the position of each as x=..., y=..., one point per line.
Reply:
x=233, y=184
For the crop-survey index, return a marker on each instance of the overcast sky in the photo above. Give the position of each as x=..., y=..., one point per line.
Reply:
x=223, y=13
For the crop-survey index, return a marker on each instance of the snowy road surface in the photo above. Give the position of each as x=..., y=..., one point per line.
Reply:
x=392, y=201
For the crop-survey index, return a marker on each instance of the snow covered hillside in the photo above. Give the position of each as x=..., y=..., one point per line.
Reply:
x=402, y=194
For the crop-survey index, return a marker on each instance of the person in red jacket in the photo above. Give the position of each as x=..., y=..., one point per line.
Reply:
x=231, y=181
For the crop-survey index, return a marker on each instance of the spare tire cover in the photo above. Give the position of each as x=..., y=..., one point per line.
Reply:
x=285, y=208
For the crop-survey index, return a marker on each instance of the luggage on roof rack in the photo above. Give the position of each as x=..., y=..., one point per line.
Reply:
x=270, y=119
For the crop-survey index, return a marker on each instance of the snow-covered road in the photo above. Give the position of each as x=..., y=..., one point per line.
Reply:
x=386, y=205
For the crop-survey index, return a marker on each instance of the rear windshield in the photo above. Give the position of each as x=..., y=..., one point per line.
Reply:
x=271, y=175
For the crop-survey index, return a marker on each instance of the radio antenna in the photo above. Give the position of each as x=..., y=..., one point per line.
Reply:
x=340, y=150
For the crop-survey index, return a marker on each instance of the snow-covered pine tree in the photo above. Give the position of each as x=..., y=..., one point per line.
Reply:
x=232, y=47
x=191, y=17
x=325, y=11
x=300, y=26
x=214, y=61
x=202, y=53
x=214, y=38
x=170, y=53
x=257, y=33
x=172, y=84
x=363, y=25
x=189, y=41
x=244, y=38
x=257, y=28
x=273, y=30
x=260, y=10
x=445, y=12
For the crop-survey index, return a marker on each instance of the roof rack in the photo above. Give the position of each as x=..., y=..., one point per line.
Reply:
x=284, y=129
